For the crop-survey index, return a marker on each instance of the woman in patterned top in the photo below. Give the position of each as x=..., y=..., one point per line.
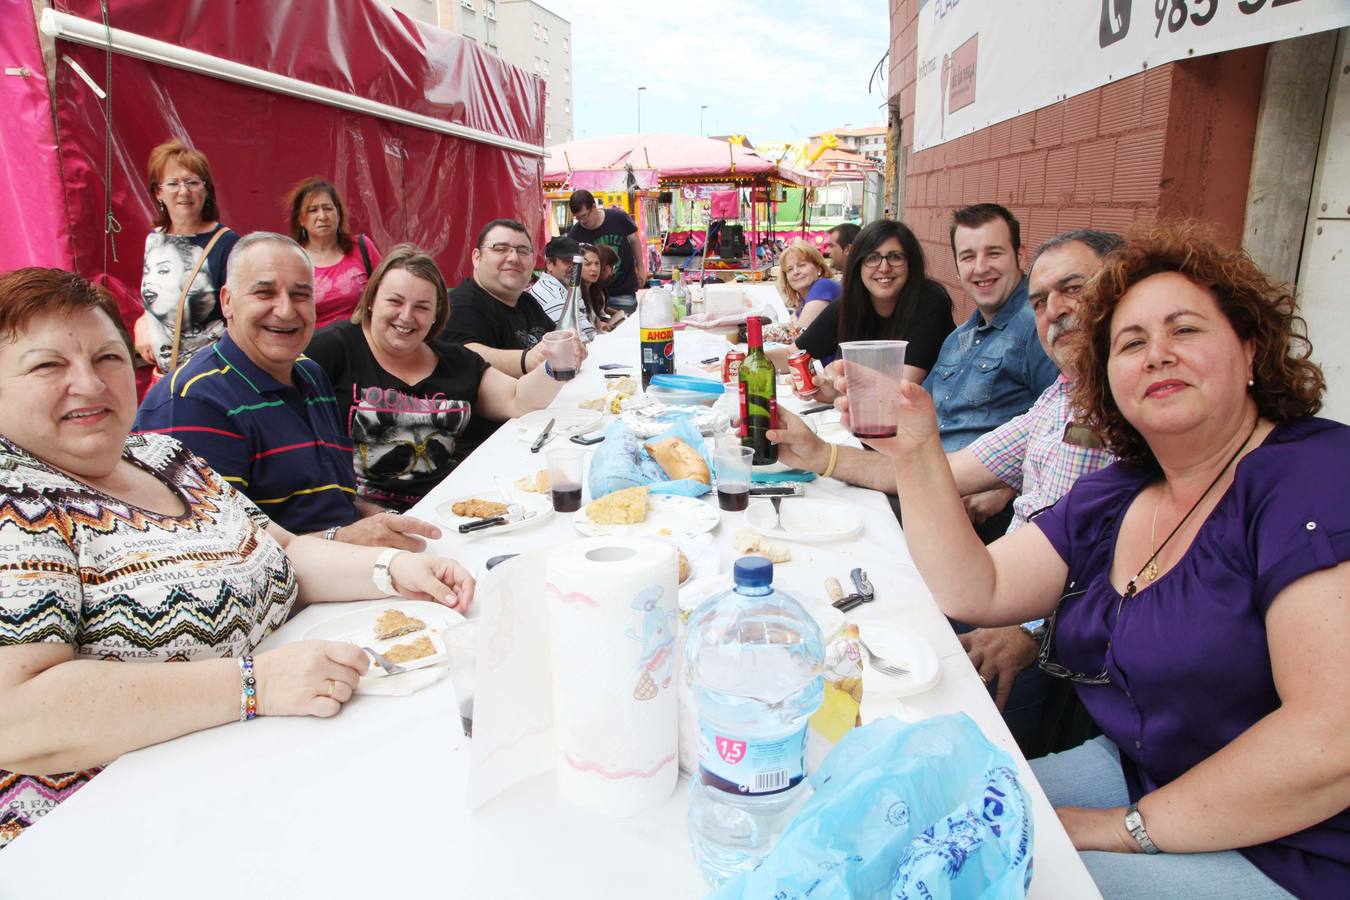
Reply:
x=117, y=549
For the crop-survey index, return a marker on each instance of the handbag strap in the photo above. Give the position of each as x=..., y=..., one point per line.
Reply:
x=187, y=286
x=365, y=255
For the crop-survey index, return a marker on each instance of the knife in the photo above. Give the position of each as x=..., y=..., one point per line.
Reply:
x=514, y=513
x=543, y=437
x=865, y=592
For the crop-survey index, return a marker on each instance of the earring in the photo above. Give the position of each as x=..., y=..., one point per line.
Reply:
x=1251, y=382
x=304, y=234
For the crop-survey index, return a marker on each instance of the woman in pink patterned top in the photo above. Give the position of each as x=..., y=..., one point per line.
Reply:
x=342, y=262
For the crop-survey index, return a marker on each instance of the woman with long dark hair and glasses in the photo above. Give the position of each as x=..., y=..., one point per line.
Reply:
x=886, y=296
x=1196, y=589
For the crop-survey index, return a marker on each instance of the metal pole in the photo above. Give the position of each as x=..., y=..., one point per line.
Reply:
x=639, y=110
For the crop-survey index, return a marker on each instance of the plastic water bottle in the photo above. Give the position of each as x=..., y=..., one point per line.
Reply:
x=753, y=657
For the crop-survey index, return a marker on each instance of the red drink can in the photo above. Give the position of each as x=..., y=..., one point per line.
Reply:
x=731, y=366
x=803, y=379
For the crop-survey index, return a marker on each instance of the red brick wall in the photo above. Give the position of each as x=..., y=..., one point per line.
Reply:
x=1175, y=140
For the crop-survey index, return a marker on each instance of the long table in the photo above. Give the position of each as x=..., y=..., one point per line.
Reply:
x=372, y=801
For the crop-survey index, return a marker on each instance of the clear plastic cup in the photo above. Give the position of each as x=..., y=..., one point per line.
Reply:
x=873, y=370
x=565, y=469
x=734, y=466
x=560, y=349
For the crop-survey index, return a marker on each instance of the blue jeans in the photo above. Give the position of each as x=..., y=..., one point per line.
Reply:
x=1089, y=775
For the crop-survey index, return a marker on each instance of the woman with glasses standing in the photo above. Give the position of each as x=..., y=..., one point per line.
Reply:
x=886, y=296
x=342, y=262
x=185, y=257
x=1197, y=589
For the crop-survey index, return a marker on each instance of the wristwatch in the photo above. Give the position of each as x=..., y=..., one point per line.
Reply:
x=384, y=582
x=1134, y=821
x=1035, y=629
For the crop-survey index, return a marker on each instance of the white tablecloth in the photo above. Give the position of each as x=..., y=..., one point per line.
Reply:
x=371, y=802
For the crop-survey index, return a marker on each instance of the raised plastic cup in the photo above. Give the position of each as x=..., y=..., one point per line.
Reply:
x=564, y=478
x=560, y=348
x=873, y=370
x=733, y=466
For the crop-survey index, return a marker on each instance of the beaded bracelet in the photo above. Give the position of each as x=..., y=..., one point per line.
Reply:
x=248, y=690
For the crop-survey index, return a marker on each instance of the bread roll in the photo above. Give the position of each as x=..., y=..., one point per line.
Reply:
x=679, y=460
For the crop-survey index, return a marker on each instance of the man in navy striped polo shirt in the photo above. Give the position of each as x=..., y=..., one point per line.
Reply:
x=263, y=416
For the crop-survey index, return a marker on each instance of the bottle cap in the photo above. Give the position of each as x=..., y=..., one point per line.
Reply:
x=754, y=332
x=752, y=571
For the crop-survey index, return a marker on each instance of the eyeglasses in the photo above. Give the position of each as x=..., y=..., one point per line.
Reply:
x=1056, y=670
x=192, y=184
x=520, y=250
x=895, y=258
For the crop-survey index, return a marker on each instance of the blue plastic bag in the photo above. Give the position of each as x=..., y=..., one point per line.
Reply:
x=926, y=810
x=620, y=462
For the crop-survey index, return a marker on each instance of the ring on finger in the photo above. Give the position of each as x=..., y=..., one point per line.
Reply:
x=332, y=686
x=983, y=679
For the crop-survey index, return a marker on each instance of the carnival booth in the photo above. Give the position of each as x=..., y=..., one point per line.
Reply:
x=711, y=193
x=426, y=135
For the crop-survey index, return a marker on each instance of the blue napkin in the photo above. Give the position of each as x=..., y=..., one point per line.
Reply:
x=784, y=475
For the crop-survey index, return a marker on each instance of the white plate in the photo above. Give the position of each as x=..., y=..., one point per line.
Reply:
x=358, y=628
x=539, y=504
x=805, y=519
x=906, y=649
x=667, y=516
x=831, y=429
x=567, y=422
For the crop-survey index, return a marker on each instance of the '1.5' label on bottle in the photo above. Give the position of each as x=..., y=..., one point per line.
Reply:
x=754, y=768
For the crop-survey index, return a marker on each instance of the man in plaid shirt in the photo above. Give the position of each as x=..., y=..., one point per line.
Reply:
x=1040, y=454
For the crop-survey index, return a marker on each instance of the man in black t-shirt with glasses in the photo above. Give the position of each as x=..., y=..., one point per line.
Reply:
x=614, y=227
x=491, y=313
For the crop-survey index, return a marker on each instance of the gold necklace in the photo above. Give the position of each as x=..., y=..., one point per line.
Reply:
x=1150, y=570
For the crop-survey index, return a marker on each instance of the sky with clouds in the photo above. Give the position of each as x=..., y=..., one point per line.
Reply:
x=768, y=69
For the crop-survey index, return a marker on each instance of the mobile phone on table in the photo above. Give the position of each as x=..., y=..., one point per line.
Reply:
x=586, y=440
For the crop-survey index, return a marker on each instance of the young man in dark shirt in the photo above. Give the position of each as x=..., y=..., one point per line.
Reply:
x=596, y=225
x=491, y=313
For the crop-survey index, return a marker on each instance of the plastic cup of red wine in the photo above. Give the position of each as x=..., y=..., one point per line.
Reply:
x=733, y=466
x=560, y=348
x=564, y=478
x=872, y=373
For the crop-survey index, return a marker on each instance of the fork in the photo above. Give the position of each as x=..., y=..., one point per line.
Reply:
x=881, y=664
x=390, y=668
x=777, y=502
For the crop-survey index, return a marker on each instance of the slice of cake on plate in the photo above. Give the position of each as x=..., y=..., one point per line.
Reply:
x=393, y=623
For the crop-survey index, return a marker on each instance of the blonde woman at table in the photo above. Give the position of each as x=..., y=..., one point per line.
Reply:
x=118, y=550
x=804, y=282
x=410, y=402
x=1196, y=591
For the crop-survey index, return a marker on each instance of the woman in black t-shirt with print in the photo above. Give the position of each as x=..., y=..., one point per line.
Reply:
x=886, y=297
x=406, y=397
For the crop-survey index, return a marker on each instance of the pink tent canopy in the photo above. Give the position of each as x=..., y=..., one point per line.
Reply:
x=678, y=157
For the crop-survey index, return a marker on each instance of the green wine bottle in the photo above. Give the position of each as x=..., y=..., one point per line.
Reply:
x=759, y=396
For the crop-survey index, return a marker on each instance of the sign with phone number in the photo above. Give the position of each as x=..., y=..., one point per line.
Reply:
x=985, y=61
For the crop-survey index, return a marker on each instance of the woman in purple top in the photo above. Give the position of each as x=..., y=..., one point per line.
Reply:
x=804, y=282
x=1197, y=589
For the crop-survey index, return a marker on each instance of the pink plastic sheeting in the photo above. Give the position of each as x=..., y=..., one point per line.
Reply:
x=398, y=182
x=674, y=155
x=615, y=180
x=32, y=211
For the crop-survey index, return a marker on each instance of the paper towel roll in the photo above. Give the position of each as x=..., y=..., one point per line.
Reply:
x=612, y=604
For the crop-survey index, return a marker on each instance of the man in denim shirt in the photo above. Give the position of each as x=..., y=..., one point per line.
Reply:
x=992, y=367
